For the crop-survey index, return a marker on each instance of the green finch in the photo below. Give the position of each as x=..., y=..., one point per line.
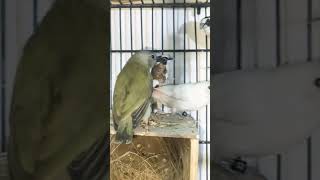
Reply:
x=132, y=94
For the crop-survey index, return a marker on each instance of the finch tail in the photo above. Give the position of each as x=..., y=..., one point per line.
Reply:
x=124, y=132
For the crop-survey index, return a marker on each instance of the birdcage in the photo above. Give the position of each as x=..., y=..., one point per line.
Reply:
x=179, y=29
x=248, y=34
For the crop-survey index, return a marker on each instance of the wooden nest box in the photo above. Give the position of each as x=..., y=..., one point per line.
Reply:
x=168, y=149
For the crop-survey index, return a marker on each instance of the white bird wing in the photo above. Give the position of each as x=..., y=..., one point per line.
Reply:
x=184, y=96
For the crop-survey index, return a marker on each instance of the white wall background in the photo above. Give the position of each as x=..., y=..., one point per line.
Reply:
x=246, y=32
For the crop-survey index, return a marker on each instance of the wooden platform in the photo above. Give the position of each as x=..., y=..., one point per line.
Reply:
x=184, y=128
x=166, y=125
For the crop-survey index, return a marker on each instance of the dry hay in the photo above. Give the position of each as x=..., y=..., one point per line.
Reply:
x=147, y=158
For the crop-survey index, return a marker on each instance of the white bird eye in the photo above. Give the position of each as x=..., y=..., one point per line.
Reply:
x=152, y=56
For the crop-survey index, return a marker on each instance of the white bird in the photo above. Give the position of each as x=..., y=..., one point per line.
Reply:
x=183, y=97
x=259, y=112
x=200, y=37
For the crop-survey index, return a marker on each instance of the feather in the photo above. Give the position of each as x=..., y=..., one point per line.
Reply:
x=182, y=96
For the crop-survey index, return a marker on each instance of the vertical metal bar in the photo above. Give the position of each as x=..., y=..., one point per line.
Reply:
x=309, y=29
x=141, y=25
x=3, y=76
x=211, y=69
x=309, y=158
x=278, y=62
x=196, y=41
x=184, y=43
x=239, y=33
x=207, y=150
x=197, y=68
x=207, y=68
x=309, y=58
x=152, y=28
x=162, y=27
x=162, y=37
x=174, y=44
x=278, y=33
x=131, y=27
x=120, y=24
x=35, y=14
x=279, y=166
x=110, y=76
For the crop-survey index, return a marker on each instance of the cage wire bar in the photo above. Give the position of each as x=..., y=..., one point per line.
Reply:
x=122, y=12
x=3, y=77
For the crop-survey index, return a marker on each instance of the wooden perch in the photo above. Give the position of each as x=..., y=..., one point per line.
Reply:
x=166, y=125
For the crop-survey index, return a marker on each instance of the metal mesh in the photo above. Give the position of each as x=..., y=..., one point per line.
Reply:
x=171, y=28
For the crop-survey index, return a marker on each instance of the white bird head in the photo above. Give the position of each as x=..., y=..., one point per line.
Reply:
x=150, y=58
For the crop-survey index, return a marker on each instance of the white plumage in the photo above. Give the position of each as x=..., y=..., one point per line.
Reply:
x=264, y=111
x=183, y=97
x=201, y=40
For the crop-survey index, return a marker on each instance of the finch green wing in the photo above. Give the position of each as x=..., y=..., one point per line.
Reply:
x=132, y=91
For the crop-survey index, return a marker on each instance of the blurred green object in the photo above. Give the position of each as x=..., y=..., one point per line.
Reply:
x=59, y=106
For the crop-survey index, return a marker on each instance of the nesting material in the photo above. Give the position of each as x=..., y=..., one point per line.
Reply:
x=152, y=159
